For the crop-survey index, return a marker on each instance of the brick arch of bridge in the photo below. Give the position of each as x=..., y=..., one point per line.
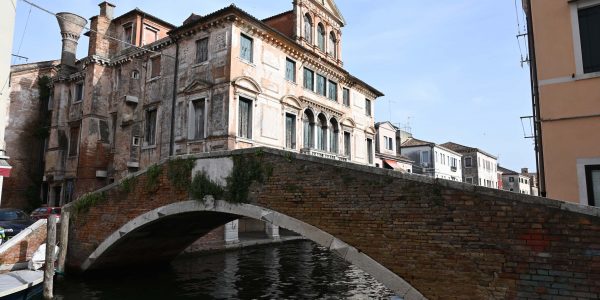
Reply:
x=446, y=239
x=138, y=237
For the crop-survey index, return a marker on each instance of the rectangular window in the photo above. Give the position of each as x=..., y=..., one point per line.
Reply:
x=155, y=66
x=150, y=137
x=370, y=150
x=469, y=180
x=290, y=131
x=368, y=107
x=332, y=94
x=118, y=78
x=150, y=35
x=592, y=179
x=321, y=83
x=202, y=50
x=309, y=79
x=74, y=141
x=198, y=119
x=589, y=31
x=347, y=145
x=79, y=92
x=468, y=162
x=290, y=70
x=245, y=118
x=113, y=141
x=425, y=157
x=128, y=34
x=246, y=51
x=511, y=179
x=346, y=96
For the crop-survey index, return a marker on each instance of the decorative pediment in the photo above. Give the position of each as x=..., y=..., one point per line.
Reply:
x=291, y=101
x=248, y=84
x=328, y=7
x=196, y=85
x=348, y=122
x=370, y=130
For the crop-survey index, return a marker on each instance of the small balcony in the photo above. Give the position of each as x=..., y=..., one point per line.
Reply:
x=324, y=154
x=453, y=168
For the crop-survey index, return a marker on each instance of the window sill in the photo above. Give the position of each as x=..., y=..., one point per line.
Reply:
x=245, y=140
x=77, y=101
x=153, y=79
x=247, y=62
x=196, y=141
x=585, y=76
x=204, y=63
x=148, y=147
x=291, y=82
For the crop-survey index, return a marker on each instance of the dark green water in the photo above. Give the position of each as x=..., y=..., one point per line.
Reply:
x=297, y=270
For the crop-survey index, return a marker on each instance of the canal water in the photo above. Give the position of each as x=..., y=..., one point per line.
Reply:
x=294, y=270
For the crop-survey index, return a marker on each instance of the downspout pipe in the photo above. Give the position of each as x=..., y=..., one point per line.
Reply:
x=174, y=101
x=535, y=100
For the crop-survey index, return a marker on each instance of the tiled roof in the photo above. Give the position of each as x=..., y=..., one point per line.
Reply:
x=506, y=171
x=412, y=142
x=464, y=149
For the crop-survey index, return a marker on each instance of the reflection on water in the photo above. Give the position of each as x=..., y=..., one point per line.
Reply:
x=298, y=270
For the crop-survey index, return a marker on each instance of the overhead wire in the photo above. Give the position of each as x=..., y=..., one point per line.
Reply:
x=95, y=31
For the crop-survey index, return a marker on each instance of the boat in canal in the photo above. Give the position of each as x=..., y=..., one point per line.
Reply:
x=21, y=285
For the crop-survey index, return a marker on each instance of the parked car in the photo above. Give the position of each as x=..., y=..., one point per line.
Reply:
x=13, y=221
x=44, y=212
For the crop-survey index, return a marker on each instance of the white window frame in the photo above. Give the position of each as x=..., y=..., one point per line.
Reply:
x=581, y=178
x=575, y=7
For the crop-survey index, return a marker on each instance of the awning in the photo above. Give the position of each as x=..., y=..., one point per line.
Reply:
x=392, y=164
x=5, y=168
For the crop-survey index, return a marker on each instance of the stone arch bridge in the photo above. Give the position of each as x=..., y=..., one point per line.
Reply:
x=423, y=238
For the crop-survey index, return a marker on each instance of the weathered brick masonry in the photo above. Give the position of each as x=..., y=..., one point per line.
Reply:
x=21, y=248
x=448, y=240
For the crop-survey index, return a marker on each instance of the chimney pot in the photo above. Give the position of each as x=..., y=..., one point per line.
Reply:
x=71, y=27
x=107, y=9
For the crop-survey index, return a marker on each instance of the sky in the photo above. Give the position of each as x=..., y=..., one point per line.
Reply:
x=450, y=70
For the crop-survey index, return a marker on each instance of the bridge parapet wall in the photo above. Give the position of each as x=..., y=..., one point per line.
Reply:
x=447, y=239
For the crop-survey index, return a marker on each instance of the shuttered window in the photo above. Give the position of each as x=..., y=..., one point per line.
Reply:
x=245, y=118
x=74, y=141
x=321, y=83
x=202, y=50
x=308, y=28
x=346, y=96
x=332, y=45
x=370, y=150
x=347, y=145
x=290, y=131
x=332, y=93
x=198, y=121
x=150, y=138
x=290, y=70
x=321, y=37
x=589, y=31
x=309, y=79
x=246, y=48
x=368, y=107
x=155, y=66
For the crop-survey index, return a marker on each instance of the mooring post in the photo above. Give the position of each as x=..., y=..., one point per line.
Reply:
x=64, y=241
x=49, y=269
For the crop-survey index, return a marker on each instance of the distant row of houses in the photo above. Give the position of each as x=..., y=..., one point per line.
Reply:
x=397, y=149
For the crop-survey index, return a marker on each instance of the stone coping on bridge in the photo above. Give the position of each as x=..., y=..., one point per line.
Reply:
x=506, y=195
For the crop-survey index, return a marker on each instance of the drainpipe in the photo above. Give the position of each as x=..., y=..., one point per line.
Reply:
x=535, y=100
x=175, y=77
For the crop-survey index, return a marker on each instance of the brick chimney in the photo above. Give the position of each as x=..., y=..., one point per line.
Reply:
x=71, y=26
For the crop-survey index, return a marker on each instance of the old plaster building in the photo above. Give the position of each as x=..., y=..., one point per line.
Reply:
x=515, y=182
x=387, y=148
x=226, y=80
x=27, y=133
x=433, y=160
x=565, y=50
x=478, y=166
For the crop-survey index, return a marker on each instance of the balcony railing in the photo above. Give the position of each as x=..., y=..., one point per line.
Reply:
x=324, y=154
x=453, y=168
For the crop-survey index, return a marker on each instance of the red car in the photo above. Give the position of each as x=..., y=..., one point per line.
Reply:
x=44, y=212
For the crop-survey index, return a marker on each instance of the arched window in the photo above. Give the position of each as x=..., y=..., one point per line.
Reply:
x=321, y=37
x=308, y=28
x=334, y=131
x=322, y=133
x=332, y=45
x=308, y=120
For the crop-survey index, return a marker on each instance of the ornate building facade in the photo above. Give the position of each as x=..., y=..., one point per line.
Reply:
x=149, y=90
